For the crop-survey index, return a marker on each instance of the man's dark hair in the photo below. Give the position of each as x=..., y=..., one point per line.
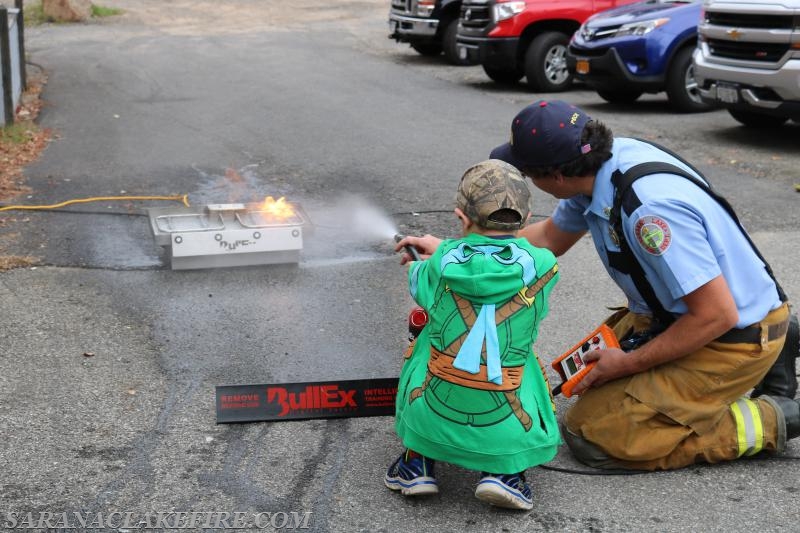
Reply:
x=595, y=134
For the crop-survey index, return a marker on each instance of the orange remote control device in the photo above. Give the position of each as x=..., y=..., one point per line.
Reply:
x=571, y=366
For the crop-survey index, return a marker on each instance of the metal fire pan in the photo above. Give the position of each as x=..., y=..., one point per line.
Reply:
x=218, y=235
x=165, y=221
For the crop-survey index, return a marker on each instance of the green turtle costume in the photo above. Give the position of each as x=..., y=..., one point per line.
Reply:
x=471, y=390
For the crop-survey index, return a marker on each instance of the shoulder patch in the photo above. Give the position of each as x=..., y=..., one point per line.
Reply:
x=653, y=234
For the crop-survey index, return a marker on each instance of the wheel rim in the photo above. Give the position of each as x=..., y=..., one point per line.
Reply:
x=555, y=64
x=690, y=86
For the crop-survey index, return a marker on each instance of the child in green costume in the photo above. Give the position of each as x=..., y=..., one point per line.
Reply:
x=472, y=392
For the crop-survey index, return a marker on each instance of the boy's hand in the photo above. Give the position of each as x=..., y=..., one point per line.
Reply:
x=425, y=245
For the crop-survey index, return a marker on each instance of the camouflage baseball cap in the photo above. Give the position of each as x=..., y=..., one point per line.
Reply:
x=490, y=186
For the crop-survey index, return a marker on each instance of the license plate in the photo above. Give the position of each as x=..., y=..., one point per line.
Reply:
x=582, y=66
x=462, y=52
x=727, y=93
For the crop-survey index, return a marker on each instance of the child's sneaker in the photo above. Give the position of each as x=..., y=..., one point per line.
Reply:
x=412, y=476
x=505, y=490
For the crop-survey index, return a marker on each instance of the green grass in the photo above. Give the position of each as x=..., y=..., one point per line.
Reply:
x=100, y=11
x=17, y=133
x=33, y=14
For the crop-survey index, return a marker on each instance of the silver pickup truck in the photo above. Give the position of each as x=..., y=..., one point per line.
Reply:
x=748, y=59
x=429, y=26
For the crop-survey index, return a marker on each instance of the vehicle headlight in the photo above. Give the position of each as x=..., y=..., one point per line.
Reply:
x=506, y=10
x=586, y=33
x=425, y=8
x=640, y=28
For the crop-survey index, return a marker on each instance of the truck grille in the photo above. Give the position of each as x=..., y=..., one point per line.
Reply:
x=740, y=20
x=475, y=16
x=587, y=52
x=747, y=51
x=595, y=34
x=401, y=6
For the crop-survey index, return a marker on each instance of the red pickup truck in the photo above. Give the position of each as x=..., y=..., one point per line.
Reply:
x=516, y=38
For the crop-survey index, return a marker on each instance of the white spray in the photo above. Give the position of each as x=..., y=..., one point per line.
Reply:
x=370, y=221
x=353, y=226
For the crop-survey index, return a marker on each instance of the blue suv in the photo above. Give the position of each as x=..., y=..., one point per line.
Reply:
x=645, y=47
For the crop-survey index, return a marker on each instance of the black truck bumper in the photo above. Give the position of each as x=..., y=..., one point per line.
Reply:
x=498, y=52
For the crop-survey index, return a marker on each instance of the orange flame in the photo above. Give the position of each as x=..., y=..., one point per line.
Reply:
x=277, y=208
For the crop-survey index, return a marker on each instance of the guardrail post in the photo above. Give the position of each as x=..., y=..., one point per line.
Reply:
x=5, y=59
x=23, y=78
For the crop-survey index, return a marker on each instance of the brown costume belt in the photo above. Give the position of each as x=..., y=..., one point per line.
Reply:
x=441, y=366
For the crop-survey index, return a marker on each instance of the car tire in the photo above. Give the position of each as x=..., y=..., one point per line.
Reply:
x=682, y=85
x=506, y=76
x=449, y=44
x=756, y=120
x=427, y=49
x=619, y=96
x=546, y=63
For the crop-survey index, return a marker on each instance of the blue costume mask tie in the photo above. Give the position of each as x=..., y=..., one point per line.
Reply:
x=469, y=355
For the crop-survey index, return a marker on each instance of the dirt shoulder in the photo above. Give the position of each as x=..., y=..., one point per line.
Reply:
x=20, y=144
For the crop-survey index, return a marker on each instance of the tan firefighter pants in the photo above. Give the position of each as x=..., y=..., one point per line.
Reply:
x=678, y=413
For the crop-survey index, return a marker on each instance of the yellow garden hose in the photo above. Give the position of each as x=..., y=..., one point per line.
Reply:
x=183, y=198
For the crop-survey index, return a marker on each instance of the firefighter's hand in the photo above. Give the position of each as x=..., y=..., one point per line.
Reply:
x=610, y=364
x=425, y=245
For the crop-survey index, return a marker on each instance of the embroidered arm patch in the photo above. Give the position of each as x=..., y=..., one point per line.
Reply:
x=653, y=234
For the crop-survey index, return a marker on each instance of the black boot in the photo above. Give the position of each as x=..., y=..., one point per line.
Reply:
x=790, y=410
x=781, y=380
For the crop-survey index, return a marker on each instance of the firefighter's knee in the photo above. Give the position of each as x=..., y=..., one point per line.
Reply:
x=586, y=452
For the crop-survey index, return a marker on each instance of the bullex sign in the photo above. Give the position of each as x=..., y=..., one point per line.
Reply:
x=300, y=401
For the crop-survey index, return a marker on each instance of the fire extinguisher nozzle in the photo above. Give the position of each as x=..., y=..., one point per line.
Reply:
x=410, y=249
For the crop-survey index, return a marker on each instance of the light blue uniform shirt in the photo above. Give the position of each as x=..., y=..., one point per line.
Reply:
x=680, y=235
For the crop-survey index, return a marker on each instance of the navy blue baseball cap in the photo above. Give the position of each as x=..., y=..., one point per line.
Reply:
x=546, y=133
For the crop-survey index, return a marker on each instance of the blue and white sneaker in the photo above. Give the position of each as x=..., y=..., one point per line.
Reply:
x=505, y=490
x=412, y=477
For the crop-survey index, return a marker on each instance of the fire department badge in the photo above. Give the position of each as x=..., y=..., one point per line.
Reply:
x=653, y=234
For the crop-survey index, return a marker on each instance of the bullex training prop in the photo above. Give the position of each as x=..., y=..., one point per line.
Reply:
x=307, y=400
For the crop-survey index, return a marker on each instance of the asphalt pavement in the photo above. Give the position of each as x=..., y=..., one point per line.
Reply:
x=110, y=359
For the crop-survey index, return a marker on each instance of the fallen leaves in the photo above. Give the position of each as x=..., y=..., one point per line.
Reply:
x=22, y=142
x=8, y=262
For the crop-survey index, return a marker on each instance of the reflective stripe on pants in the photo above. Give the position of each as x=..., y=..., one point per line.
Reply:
x=749, y=427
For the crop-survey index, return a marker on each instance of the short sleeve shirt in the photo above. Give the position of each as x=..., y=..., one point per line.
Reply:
x=679, y=234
